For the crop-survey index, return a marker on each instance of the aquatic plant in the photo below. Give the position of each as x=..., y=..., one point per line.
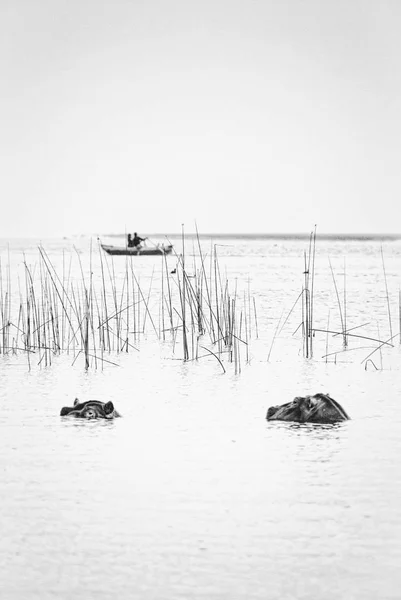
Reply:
x=99, y=312
x=90, y=307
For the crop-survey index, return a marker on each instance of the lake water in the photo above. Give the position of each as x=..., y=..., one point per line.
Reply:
x=193, y=494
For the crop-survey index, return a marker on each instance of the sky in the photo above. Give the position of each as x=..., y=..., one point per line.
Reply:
x=252, y=116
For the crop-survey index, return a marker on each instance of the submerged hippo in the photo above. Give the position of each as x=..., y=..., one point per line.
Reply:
x=91, y=409
x=320, y=408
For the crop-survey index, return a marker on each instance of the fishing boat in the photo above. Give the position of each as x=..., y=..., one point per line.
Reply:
x=138, y=250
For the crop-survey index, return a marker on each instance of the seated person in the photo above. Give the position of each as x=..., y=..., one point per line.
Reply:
x=137, y=240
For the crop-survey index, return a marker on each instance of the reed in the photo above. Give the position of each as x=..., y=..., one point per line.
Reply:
x=362, y=337
x=371, y=362
x=327, y=336
x=379, y=347
x=215, y=287
x=343, y=327
x=345, y=305
x=105, y=338
x=313, y=249
x=274, y=337
x=399, y=314
x=5, y=307
x=168, y=298
x=247, y=318
x=292, y=310
x=308, y=296
x=58, y=314
x=200, y=313
x=255, y=318
x=387, y=294
x=95, y=310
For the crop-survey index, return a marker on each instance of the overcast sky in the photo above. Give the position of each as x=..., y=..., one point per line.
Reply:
x=241, y=115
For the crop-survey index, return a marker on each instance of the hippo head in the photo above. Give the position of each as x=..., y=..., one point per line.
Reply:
x=91, y=409
x=320, y=408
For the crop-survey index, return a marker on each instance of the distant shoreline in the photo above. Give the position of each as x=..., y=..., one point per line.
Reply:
x=275, y=236
x=346, y=237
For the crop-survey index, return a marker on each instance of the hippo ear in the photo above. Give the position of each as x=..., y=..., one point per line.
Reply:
x=271, y=411
x=108, y=407
x=76, y=401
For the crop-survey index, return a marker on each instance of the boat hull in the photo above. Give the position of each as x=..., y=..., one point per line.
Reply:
x=125, y=251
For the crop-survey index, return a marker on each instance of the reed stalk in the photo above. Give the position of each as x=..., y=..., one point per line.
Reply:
x=313, y=249
x=345, y=305
x=274, y=337
x=387, y=294
x=169, y=303
x=381, y=344
x=339, y=307
x=207, y=287
x=363, y=337
x=247, y=332
x=399, y=314
x=327, y=336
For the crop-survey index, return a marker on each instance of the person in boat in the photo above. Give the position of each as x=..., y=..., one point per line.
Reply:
x=136, y=241
x=129, y=241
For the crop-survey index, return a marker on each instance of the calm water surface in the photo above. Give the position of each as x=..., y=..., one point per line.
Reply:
x=192, y=494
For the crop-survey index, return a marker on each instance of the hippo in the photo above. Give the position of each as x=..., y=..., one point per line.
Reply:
x=91, y=409
x=320, y=408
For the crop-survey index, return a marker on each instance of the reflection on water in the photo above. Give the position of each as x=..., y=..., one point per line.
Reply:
x=193, y=494
x=88, y=424
x=304, y=428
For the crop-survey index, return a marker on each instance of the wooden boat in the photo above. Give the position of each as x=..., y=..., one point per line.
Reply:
x=141, y=251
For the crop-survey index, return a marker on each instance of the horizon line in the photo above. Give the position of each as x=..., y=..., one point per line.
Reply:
x=281, y=235
x=255, y=235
